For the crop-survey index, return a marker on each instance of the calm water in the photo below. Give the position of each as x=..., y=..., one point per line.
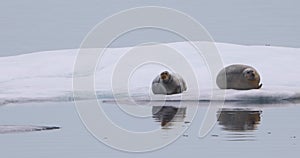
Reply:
x=242, y=130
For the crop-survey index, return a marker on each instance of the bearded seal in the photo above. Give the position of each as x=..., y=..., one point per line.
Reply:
x=168, y=84
x=238, y=76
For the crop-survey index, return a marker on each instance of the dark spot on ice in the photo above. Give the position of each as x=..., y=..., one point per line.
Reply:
x=185, y=135
x=51, y=128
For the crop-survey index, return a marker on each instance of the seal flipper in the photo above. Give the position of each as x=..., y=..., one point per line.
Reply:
x=260, y=85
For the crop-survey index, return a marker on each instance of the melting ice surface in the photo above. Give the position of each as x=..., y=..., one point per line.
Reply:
x=48, y=75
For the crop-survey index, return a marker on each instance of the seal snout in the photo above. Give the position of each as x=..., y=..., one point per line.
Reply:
x=249, y=74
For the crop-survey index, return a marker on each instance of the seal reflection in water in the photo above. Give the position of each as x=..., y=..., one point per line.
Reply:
x=238, y=119
x=240, y=77
x=168, y=84
x=168, y=114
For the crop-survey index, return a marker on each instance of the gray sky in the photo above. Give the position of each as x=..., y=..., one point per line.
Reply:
x=35, y=25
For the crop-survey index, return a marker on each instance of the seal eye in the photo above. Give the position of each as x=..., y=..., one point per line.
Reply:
x=250, y=71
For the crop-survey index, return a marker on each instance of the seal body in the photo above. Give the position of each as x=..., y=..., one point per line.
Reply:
x=168, y=84
x=238, y=76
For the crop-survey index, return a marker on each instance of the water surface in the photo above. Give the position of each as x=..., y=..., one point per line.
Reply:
x=242, y=130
